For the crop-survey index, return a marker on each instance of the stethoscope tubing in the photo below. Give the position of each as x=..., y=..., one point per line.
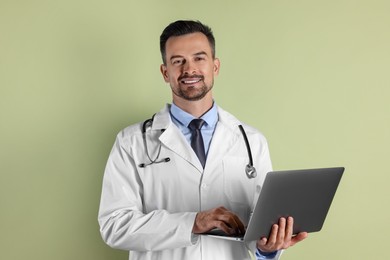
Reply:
x=249, y=169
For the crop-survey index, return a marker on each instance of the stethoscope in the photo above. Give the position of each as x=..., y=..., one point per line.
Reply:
x=250, y=170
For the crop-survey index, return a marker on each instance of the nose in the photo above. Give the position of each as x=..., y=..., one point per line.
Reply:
x=189, y=68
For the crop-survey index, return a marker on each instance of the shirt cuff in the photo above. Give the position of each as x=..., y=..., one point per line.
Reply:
x=263, y=255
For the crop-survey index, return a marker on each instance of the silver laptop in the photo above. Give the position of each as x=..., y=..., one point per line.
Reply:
x=306, y=195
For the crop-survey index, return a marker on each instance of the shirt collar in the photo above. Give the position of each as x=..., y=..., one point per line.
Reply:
x=184, y=118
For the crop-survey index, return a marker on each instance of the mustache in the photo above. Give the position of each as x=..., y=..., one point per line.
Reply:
x=190, y=77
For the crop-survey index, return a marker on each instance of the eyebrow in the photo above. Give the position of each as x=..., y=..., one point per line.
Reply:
x=200, y=53
x=195, y=54
x=175, y=57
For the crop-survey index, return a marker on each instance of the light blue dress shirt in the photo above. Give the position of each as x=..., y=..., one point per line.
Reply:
x=182, y=119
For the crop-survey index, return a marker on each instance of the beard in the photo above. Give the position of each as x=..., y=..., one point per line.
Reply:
x=192, y=93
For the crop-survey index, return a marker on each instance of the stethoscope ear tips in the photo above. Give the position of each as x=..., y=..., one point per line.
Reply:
x=250, y=171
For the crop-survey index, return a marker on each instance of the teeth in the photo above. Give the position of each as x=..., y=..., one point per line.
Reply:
x=191, y=81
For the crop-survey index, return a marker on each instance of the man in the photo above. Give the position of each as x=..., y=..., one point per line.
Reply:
x=172, y=178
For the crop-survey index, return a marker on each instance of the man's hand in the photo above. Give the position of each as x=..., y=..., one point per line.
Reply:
x=280, y=237
x=220, y=218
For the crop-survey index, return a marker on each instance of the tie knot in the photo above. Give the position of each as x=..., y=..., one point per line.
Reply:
x=196, y=124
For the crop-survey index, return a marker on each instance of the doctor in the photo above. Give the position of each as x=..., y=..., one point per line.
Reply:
x=166, y=181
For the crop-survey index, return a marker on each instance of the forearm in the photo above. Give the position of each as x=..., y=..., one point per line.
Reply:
x=157, y=230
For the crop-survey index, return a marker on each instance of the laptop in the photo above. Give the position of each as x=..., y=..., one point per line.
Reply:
x=306, y=195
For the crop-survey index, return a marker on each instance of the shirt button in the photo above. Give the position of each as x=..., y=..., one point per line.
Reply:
x=204, y=186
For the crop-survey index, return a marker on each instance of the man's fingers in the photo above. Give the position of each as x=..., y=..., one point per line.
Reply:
x=289, y=227
x=233, y=222
x=287, y=233
x=220, y=218
x=298, y=238
x=263, y=241
x=225, y=228
x=281, y=230
x=281, y=236
x=273, y=235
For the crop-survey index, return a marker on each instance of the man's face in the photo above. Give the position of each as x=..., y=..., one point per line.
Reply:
x=190, y=67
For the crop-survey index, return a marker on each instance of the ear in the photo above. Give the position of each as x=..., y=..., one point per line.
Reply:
x=217, y=65
x=164, y=72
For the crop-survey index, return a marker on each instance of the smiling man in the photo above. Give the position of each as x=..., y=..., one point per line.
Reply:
x=189, y=67
x=181, y=173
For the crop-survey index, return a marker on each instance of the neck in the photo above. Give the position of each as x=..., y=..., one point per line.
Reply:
x=195, y=108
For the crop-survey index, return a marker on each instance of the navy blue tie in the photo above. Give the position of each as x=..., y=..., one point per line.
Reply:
x=197, y=139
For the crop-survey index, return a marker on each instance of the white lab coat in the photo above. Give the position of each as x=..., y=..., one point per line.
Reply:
x=151, y=211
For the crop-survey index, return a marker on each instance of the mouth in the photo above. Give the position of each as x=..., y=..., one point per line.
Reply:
x=190, y=80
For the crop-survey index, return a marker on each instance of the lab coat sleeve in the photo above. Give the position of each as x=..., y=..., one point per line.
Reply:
x=123, y=224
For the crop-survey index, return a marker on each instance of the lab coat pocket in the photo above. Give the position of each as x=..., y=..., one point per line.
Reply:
x=238, y=188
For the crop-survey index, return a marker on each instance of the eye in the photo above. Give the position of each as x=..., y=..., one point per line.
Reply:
x=177, y=61
x=199, y=58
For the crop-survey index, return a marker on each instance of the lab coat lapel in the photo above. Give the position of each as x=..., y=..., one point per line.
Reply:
x=174, y=140
x=225, y=136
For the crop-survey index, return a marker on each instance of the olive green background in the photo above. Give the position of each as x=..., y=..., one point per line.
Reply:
x=313, y=76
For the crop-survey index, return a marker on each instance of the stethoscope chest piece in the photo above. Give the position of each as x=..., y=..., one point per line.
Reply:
x=250, y=171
